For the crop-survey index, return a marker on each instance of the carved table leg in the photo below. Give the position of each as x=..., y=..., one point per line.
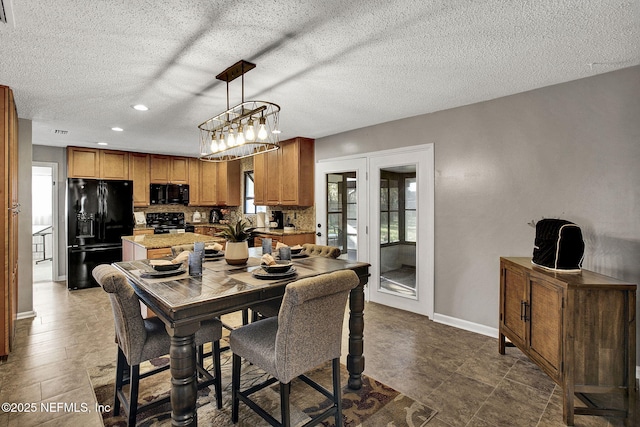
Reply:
x=184, y=382
x=355, y=359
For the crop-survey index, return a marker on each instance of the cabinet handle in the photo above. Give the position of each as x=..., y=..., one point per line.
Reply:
x=522, y=309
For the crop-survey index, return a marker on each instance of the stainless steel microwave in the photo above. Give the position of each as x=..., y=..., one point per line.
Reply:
x=169, y=194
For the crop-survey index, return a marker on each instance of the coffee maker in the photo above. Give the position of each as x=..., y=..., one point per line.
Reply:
x=215, y=216
x=278, y=218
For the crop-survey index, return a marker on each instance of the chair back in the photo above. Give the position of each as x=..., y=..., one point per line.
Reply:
x=130, y=329
x=321, y=250
x=310, y=322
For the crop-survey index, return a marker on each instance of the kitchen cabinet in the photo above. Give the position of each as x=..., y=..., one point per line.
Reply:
x=83, y=162
x=208, y=183
x=578, y=328
x=139, y=174
x=228, y=183
x=168, y=169
x=142, y=231
x=93, y=163
x=195, y=188
x=285, y=177
x=9, y=211
x=214, y=183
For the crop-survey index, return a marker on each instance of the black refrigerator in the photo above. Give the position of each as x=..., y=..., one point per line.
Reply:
x=99, y=213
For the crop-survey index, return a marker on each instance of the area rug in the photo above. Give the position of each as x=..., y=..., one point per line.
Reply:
x=375, y=404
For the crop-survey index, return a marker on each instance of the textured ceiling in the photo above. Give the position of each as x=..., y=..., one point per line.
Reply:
x=331, y=65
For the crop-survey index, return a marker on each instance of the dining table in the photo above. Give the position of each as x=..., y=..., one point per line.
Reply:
x=182, y=301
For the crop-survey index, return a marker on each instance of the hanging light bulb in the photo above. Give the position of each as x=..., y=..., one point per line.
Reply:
x=221, y=145
x=251, y=133
x=214, y=143
x=240, y=139
x=262, y=129
x=231, y=139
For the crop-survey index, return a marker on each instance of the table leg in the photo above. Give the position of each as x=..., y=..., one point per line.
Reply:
x=184, y=382
x=355, y=358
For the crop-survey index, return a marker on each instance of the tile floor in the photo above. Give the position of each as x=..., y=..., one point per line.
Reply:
x=457, y=372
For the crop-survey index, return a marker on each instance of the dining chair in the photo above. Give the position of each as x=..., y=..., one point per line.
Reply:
x=271, y=308
x=141, y=339
x=306, y=333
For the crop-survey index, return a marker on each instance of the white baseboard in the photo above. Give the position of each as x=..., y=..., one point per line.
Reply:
x=466, y=325
x=478, y=328
x=26, y=315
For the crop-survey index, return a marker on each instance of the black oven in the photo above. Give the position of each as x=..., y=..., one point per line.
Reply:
x=163, y=194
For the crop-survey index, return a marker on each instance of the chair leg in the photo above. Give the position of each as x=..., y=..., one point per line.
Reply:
x=337, y=391
x=121, y=364
x=218, y=373
x=235, y=387
x=133, y=394
x=245, y=316
x=200, y=358
x=285, y=412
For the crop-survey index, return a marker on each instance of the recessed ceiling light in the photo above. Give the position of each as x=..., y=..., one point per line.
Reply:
x=117, y=129
x=102, y=143
x=140, y=107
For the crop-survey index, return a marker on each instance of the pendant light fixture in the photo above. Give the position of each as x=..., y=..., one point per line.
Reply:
x=232, y=134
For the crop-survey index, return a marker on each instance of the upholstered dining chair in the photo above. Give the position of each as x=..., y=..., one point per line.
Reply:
x=271, y=308
x=145, y=339
x=306, y=333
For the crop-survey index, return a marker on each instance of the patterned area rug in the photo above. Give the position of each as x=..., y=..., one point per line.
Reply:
x=375, y=404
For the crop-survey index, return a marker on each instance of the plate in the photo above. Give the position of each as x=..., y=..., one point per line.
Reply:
x=166, y=267
x=261, y=274
x=280, y=267
x=160, y=274
x=218, y=254
x=299, y=255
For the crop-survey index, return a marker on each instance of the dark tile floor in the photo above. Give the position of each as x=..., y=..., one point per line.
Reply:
x=459, y=373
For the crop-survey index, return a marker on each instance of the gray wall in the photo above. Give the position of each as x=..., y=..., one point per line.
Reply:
x=571, y=150
x=25, y=266
x=57, y=155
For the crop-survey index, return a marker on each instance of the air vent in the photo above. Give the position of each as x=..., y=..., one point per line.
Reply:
x=60, y=132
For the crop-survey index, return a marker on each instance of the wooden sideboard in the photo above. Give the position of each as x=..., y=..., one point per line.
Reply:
x=580, y=329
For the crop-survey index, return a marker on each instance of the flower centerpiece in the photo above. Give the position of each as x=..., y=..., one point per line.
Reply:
x=237, y=248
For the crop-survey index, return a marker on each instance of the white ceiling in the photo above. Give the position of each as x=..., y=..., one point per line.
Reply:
x=332, y=65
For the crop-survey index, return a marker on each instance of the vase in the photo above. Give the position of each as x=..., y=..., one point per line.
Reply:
x=236, y=253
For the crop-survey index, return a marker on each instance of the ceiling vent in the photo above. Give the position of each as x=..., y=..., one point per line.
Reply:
x=60, y=132
x=6, y=12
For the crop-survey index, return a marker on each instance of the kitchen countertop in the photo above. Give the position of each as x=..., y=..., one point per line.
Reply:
x=281, y=232
x=157, y=241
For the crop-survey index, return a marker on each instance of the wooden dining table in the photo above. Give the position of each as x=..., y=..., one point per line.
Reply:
x=183, y=301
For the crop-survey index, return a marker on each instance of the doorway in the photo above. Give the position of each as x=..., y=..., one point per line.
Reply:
x=44, y=220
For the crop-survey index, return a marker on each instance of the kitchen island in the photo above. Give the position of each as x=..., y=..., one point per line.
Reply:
x=153, y=246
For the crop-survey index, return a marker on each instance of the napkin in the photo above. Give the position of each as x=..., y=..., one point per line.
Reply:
x=214, y=247
x=182, y=256
x=281, y=245
x=268, y=259
x=296, y=247
x=160, y=262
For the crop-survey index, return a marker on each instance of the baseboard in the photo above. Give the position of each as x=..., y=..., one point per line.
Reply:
x=466, y=325
x=478, y=328
x=26, y=315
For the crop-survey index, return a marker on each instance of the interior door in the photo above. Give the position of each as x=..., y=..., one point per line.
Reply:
x=401, y=196
x=341, y=207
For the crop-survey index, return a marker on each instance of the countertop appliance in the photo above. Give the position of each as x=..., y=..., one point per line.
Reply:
x=278, y=218
x=169, y=194
x=168, y=222
x=215, y=216
x=99, y=213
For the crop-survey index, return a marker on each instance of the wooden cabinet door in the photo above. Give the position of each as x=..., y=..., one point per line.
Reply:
x=179, y=172
x=194, y=182
x=160, y=167
x=114, y=164
x=260, y=179
x=297, y=171
x=228, y=183
x=514, y=297
x=83, y=162
x=139, y=172
x=272, y=184
x=208, y=183
x=545, y=324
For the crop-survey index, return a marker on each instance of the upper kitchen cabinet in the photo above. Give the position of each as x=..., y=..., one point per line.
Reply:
x=97, y=164
x=285, y=177
x=169, y=169
x=228, y=183
x=194, y=182
x=114, y=164
x=208, y=188
x=139, y=173
x=83, y=162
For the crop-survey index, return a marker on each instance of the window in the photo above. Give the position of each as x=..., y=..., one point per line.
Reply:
x=250, y=194
x=397, y=208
